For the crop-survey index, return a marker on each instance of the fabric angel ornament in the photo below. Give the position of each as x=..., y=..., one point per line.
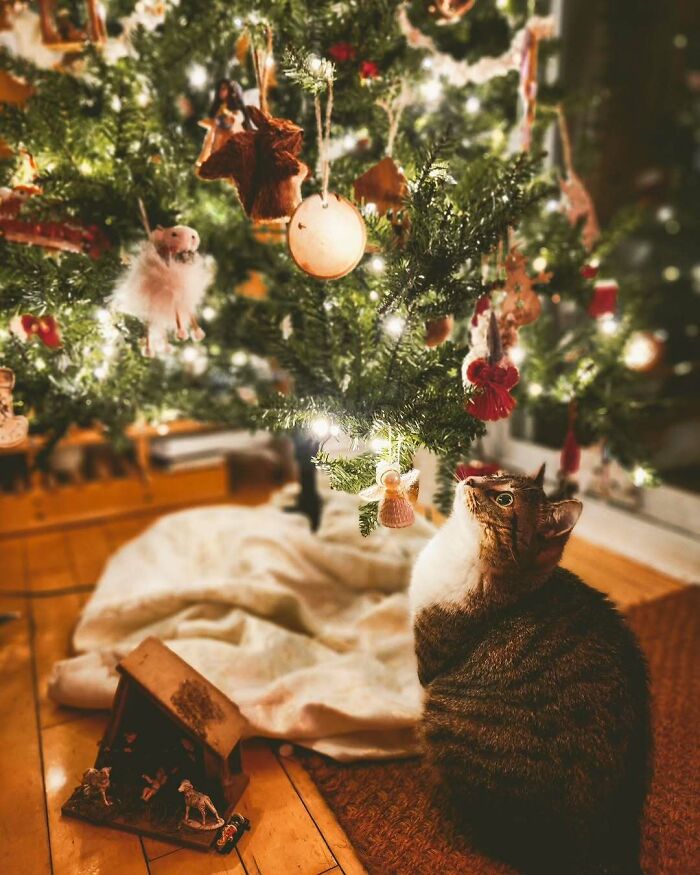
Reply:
x=164, y=286
x=264, y=166
x=396, y=494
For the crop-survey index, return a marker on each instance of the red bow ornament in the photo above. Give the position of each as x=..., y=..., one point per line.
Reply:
x=43, y=327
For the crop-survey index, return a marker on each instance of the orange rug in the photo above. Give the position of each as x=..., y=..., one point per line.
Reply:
x=390, y=815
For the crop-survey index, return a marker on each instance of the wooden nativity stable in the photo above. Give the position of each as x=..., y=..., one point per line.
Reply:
x=168, y=725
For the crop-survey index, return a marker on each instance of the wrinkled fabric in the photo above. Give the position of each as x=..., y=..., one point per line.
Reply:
x=308, y=633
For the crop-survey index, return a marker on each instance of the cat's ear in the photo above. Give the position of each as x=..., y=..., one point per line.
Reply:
x=539, y=476
x=561, y=517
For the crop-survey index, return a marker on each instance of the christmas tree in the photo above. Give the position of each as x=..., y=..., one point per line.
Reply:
x=435, y=240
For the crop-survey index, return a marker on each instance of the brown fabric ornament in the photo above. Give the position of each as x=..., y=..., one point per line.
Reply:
x=383, y=185
x=521, y=304
x=263, y=165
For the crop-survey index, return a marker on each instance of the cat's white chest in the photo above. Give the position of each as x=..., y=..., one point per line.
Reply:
x=448, y=568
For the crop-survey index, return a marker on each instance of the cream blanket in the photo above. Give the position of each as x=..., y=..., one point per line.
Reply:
x=308, y=633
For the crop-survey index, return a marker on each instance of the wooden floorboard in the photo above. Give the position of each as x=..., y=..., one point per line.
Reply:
x=24, y=836
x=46, y=578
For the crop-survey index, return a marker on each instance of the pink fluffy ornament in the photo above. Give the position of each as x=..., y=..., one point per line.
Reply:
x=164, y=286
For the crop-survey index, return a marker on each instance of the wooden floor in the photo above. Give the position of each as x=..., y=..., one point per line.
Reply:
x=46, y=579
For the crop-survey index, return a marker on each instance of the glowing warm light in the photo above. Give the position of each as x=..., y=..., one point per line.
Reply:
x=608, y=324
x=552, y=205
x=379, y=445
x=534, y=390
x=321, y=427
x=101, y=371
x=209, y=313
x=473, y=105
x=197, y=76
x=539, y=264
x=431, y=90
x=640, y=476
x=374, y=296
x=671, y=273
x=641, y=351
x=394, y=326
x=370, y=209
x=517, y=355
x=239, y=358
x=162, y=429
x=377, y=264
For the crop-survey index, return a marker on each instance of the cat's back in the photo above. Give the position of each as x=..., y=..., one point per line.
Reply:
x=552, y=690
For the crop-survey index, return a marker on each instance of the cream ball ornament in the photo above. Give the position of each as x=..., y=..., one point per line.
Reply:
x=326, y=239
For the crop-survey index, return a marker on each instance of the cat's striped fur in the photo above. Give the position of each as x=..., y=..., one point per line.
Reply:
x=536, y=695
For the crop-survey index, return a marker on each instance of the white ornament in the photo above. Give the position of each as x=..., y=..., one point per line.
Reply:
x=326, y=240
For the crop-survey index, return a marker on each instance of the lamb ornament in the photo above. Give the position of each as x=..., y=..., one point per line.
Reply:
x=164, y=286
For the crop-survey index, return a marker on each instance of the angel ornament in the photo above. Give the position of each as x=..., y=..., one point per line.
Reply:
x=396, y=494
x=164, y=286
x=13, y=429
x=228, y=115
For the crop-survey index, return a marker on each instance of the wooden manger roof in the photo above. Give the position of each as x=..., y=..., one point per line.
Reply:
x=192, y=701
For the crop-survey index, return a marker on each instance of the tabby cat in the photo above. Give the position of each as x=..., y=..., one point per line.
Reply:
x=536, y=705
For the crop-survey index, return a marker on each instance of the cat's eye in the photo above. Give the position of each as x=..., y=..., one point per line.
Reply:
x=505, y=499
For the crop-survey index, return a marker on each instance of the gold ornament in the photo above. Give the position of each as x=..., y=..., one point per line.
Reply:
x=437, y=331
x=326, y=240
x=396, y=494
x=642, y=352
x=13, y=429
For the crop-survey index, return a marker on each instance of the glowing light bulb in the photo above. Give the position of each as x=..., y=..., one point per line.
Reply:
x=162, y=429
x=552, y=206
x=101, y=371
x=321, y=427
x=671, y=273
x=103, y=315
x=539, y=264
x=473, y=105
x=209, y=313
x=197, y=76
x=377, y=264
x=374, y=296
x=427, y=63
x=394, y=326
x=431, y=90
x=379, y=445
x=370, y=209
x=641, y=351
x=640, y=476
x=608, y=325
x=239, y=358
x=534, y=390
x=517, y=355
x=115, y=103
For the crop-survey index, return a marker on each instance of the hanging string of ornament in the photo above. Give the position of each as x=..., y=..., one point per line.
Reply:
x=579, y=202
x=326, y=235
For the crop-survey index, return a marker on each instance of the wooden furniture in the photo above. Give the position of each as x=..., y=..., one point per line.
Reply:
x=46, y=504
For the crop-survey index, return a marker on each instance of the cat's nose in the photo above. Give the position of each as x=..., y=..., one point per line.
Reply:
x=475, y=482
